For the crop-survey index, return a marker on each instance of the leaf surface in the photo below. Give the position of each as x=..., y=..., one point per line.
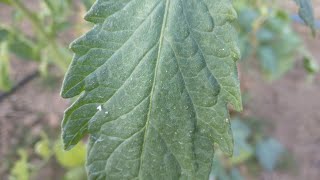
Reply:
x=154, y=79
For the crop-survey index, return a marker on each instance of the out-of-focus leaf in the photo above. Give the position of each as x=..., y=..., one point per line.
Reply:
x=268, y=153
x=242, y=149
x=19, y=45
x=73, y=158
x=24, y=48
x=306, y=13
x=218, y=171
x=246, y=17
x=310, y=65
x=58, y=11
x=42, y=148
x=6, y=1
x=5, y=82
x=58, y=7
x=278, y=46
x=265, y=35
x=4, y=34
x=20, y=170
x=268, y=60
x=88, y=3
x=78, y=173
x=235, y=174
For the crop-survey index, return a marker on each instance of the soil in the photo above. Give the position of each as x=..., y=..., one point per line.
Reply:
x=291, y=104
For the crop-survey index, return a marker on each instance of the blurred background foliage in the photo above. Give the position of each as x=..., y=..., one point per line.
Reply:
x=267, y=41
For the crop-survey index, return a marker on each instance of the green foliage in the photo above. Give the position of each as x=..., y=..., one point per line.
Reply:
x=78, y=173
x=242, y=149
x=70, y=159
x=155, y=78
x=21, y=169
x=42, y=148
x=19, y=44
x=5, y=1
x=310, y=64
x=252, y=148
x=306, y=13
x=88, y=3
x=5, y=83
x=267, y=37
x=58, y=11
x=42, y=47
x=269, y=152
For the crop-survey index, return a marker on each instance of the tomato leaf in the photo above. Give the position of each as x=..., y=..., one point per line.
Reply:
x=154, y=79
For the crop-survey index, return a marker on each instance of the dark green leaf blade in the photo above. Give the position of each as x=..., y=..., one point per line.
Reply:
x=155, y=78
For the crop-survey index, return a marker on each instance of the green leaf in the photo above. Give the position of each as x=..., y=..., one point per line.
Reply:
x=88, y=3
x=6, y=1
x=76, y=173
x=155, y=77
x=19, y=44
x=4, y=34
x=42, y=147
x=310, y=65
x=268, y=153
x=242, y=149
x=306, y=13
x=218, y=170
x=5, y=82
x=278, y=46
x=20, y=170
x=70, y=159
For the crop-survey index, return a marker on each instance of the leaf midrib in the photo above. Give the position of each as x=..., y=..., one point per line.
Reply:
x=161, y=38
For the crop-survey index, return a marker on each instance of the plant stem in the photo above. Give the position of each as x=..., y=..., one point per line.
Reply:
x=61, y=60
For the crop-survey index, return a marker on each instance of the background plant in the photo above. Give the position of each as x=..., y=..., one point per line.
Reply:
x=266, y=34
x=42, y=46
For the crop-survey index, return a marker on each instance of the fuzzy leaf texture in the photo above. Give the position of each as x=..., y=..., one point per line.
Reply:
x=154, y=79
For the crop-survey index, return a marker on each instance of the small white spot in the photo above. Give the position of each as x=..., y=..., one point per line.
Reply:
x=99, y=108
x=227, y=120
x=106, y=112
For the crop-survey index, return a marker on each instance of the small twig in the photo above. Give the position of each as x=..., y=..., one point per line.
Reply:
x=19, y=85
